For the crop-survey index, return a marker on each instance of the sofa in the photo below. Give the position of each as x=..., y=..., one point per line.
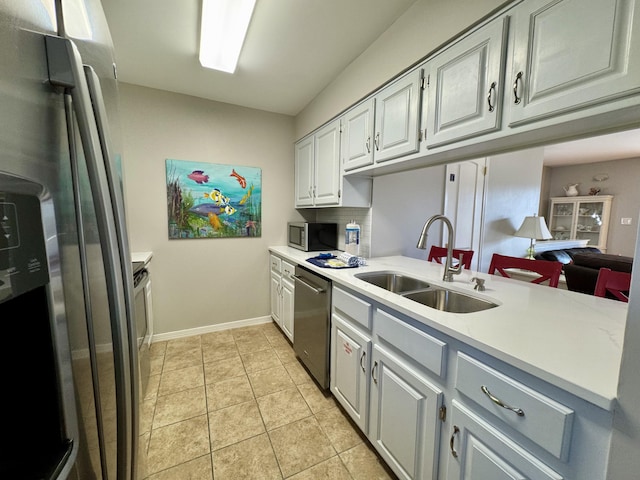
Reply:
x=582, y=265
x=565, y=255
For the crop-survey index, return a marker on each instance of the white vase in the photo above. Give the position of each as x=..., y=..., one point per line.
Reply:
x=571, y=190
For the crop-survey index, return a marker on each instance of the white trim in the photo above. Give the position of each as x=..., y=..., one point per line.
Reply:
x=161, y=337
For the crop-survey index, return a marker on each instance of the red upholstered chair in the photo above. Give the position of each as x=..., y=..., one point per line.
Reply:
x=436, y=254
x=547, y=269
x=616, y=283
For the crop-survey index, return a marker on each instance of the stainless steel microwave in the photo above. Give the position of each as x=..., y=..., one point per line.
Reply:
x=313, y=236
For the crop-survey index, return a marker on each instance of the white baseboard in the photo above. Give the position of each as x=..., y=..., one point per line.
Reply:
x=161, y=337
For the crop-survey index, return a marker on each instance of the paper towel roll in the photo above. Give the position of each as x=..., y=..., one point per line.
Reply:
x=351, y=260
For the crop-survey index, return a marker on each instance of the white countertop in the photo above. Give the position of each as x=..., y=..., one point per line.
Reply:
x=571, y=340
x=141, y=257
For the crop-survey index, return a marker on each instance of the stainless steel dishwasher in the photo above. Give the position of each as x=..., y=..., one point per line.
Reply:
x=311, y=323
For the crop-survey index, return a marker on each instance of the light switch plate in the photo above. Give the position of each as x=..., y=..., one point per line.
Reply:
x=625, y=221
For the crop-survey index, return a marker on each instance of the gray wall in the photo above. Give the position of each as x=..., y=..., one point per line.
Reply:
x=623, y=183
x=203, y=282
x=512, y=193
x=402, y=202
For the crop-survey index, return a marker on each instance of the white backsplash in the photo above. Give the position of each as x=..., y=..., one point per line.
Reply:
x=344, y=215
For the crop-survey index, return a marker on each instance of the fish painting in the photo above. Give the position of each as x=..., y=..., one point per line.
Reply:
x=240, y=178
x=210, y=200
x=198, y=176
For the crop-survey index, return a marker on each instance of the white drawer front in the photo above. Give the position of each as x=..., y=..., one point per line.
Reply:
x=421, y=347
x=288, y=270
x=541, y=419
x=276, y=264
x=352, y=306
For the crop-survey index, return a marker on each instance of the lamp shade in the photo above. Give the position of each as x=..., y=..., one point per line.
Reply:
x=535, y=228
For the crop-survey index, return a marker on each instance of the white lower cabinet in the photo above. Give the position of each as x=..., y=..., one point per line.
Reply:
x=403, y=421
x=287, y=295
x=350, y=365
x=391, y=400
x=436, y=408
x=276, y=301
x=479, y=451
x=282, y=294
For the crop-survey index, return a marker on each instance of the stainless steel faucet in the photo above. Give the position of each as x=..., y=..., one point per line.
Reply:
x=449, y=269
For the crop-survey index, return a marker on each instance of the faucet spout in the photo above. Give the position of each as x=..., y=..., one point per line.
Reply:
x=449, y=269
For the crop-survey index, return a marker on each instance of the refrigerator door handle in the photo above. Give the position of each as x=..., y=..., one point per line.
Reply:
x=66, y=70
x=117, y=205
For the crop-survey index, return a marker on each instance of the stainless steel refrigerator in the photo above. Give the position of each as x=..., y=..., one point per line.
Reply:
x=70, y=376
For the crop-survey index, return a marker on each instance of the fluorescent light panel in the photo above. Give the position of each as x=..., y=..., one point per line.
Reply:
x=222, y=32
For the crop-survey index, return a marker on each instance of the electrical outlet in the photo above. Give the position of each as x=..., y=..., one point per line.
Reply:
x=625, y=221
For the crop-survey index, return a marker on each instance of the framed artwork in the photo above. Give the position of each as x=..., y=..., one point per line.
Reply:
x=210, y=200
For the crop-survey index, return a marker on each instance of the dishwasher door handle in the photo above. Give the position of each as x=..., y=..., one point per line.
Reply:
x=308, y=285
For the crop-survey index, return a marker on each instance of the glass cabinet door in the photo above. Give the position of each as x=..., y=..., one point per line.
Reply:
x=581, y=218
x=589, y=221
x=561, y=221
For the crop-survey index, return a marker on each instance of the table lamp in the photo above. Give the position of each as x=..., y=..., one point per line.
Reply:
x=533, y=228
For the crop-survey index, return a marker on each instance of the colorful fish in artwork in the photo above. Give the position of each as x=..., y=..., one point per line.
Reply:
x=198, y=176
x=240, y=178
x=214, y=221
x=204, y=209
x=215, y=195
x=229, y=210
x=246, y=196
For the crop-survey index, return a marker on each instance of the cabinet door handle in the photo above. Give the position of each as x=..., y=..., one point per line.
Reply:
x=364, y=354
x=373, y=371
x=456, y=430
x=376, y=141
x=368, y=144
x=492, y=91
x=497, y=401
x=516, y=82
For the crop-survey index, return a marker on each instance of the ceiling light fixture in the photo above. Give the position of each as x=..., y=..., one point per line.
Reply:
x=222, y=32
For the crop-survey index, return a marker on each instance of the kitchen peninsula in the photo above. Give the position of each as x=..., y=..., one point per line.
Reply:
x=552, y=352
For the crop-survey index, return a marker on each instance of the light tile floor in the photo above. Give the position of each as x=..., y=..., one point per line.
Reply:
x=236, y=405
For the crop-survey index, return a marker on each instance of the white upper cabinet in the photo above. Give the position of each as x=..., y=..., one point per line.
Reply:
x=304, y=172
x=357, y=136
x=538, y=70
x=465, y=86
x=397, y=117
x=317, y=167
x=569, y=55
x=327, y=164
x=318, y=173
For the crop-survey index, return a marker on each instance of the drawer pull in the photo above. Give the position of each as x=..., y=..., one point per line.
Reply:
x=456, y=430
x=497, y=401
x=364, y=354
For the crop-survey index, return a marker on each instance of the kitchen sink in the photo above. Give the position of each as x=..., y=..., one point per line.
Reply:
x=449, y=301
x=426, y=294
x=393, y=281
